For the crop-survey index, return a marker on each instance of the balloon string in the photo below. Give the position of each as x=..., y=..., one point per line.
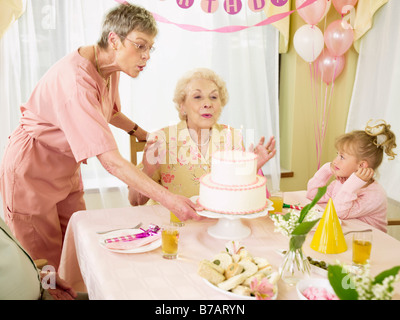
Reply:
x=318, y=117
x=317, y=136
x=324, y=119
x=331, y=94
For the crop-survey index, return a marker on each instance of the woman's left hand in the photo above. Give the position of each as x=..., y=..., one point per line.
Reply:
x=62, y=290
x=264, y=152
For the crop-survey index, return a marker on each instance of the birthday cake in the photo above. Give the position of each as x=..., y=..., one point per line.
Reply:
x=232, y=186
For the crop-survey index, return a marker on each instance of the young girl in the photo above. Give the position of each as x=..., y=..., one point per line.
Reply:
x=355, y=193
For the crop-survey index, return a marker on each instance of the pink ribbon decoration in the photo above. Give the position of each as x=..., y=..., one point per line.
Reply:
x=151, y=231
x=227, y=29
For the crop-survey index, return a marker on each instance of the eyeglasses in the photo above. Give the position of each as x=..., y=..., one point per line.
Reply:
x=141, y=47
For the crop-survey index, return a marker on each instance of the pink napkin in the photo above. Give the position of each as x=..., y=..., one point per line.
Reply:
x=128, y=245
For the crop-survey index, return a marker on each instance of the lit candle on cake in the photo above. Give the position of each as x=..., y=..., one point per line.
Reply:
x=228, y=145
x=241, y=137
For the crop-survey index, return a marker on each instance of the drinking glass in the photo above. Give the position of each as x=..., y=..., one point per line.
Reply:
x=277, y=199
x=175, y=220
x=170, y=238
x=362, y=243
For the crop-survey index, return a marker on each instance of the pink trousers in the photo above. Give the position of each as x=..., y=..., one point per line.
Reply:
x=41, y=188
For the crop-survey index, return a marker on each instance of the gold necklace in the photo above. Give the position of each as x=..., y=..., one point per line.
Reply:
x=107, y=81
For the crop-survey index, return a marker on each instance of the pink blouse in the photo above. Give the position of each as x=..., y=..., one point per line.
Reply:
x=351, y=199
x=70, y=109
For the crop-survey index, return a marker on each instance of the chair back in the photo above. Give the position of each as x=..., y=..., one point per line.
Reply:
x=136, y=146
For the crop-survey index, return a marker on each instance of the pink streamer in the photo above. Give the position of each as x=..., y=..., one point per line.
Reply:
x=227, y=29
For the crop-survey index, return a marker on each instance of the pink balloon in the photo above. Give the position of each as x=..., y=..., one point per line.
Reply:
x=329, y=67
x=338, y=37
x=313, y=13
x=339, y=4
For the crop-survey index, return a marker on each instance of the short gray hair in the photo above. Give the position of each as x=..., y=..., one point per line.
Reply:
x=126, y=18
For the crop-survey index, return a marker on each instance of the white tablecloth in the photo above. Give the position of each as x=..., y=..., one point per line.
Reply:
x=108, y=275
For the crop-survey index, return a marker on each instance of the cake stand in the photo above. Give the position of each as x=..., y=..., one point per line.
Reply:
x=230, y=226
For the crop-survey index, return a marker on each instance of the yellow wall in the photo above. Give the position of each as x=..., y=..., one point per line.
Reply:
x=297, y=110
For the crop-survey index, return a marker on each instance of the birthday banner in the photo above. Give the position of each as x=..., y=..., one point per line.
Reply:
x=231, y=7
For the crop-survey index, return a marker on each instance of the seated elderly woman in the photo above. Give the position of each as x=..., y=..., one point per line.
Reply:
x=177, y=156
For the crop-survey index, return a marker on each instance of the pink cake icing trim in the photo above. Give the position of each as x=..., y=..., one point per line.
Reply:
x=234, y=186
x=218, y=186
x=232, y=212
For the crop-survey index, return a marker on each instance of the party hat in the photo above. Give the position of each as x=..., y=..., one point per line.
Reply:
x=328, y=237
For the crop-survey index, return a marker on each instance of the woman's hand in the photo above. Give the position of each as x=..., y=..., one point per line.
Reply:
x=62, y=290
x=183, y=207
x=141, y=134
x=264, y=153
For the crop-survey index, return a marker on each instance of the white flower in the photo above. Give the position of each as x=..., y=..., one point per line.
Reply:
x=365, y=287
x=288, y=222
x=233, y=247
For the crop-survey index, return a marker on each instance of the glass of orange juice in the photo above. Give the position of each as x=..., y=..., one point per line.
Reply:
x=362, y=243
x=277, y=200
x=169, y=241
x=175, y=220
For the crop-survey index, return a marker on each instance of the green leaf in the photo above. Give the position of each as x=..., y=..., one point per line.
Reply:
x=286, y=217
x=390, y=272
x=342, y=283
x=304, y=227
x=308, y=207
x=296, y=242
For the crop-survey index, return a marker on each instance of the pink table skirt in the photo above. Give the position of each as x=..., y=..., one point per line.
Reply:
x=89, y=267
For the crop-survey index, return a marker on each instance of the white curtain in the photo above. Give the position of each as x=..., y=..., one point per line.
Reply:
x=247, y=60
x=376, y=93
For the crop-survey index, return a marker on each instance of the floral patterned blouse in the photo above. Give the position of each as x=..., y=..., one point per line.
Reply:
x=182, y=163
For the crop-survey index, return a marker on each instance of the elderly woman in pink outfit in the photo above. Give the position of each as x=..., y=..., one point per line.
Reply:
x=65, y=122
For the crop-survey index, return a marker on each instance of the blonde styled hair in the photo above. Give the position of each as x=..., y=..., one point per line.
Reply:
x=370, y=144
x=199, y=73
x=126, y=18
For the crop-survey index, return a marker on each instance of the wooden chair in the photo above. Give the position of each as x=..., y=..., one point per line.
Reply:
x=393, y=222
x=393, y=212
x=136, y=146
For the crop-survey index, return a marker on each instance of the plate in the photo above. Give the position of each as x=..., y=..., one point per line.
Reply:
x=148, y=247
x=229, y=226
x=237, y=296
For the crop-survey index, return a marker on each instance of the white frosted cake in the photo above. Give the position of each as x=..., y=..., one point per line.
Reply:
x=232, y=186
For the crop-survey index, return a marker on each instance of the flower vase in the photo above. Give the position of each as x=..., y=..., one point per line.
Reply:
x=295, y=265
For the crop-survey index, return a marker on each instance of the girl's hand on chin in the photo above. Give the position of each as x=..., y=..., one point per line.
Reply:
x=341, y=179
x=365, y=174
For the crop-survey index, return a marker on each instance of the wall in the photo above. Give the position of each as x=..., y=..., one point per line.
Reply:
x=297, y=110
